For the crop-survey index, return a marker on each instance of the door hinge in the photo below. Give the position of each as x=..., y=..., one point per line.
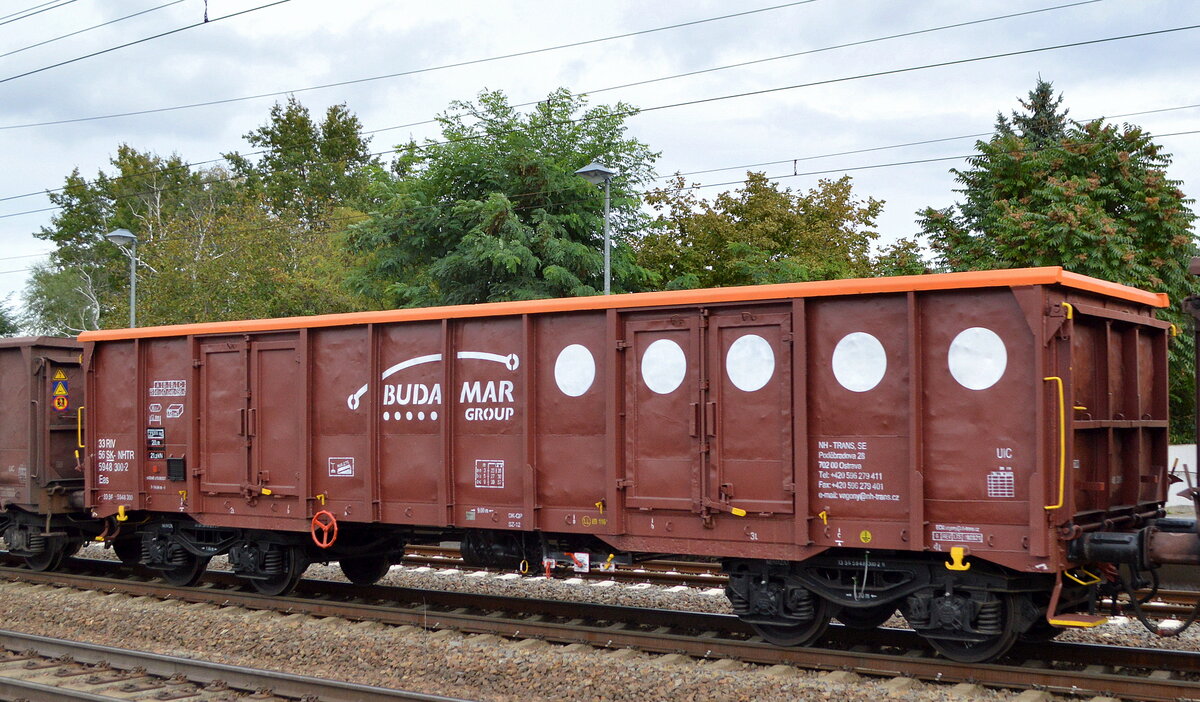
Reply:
x=623, y=483
x=789, y=487
x=622, y=344
x=786, y=338
x=705, y=447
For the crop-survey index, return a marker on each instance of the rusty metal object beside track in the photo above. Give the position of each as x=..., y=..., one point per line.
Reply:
x=1062, y=668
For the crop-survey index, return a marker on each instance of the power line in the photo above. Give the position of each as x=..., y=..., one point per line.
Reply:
x=925, y=142
x=88, y=29
x=415, y=71
x=875, y=74
x=141, y=41
x=526, y=104
x=21, y=12
x=6, y=19
x=768, y=59
x=897, y=71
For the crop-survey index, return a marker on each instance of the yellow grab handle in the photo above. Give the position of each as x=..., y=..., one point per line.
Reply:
x=79, y=426
x=1062, y=444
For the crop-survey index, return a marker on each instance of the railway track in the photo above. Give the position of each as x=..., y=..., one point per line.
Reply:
x=1061, y=668
x=662, y=572
x=43, y=669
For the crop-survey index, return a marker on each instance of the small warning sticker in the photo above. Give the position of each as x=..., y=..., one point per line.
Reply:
x=59, y=375
x=489, y=474
x=341, y=466
x=60, y=388
x=61, y=403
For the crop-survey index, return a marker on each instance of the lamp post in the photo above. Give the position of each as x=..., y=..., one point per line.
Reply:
x=123, y=238
x=597, y=173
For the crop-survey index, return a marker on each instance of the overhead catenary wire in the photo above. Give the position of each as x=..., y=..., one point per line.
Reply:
x=635, y=111
x=411, y=72
x=21, y=12
x=141, y=41
x=92, y=27
x=26, y=13
x=713, y=99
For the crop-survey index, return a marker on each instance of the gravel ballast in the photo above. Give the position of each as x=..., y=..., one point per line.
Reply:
x=476, y=667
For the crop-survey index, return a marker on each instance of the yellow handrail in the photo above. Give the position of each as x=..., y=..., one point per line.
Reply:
x=1062, y=444
x=79, y=427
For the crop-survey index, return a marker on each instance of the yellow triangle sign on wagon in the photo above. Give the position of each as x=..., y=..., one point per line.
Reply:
x=60, y=388
x=59, y=375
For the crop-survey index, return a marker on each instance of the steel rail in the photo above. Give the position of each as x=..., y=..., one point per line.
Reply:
x=199, y=672
x=699, y=635
x=690, y=573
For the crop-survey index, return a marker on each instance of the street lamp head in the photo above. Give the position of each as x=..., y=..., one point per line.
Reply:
x=596, y=173
x=121, y=237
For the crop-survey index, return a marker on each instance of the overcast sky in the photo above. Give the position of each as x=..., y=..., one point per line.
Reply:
x=296, y=44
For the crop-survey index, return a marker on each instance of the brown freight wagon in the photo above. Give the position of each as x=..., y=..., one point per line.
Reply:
x=41, y=476
x=929, y=443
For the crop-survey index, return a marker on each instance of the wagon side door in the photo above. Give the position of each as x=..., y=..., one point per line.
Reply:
x=225, y=405
x=276, y=415
x=748, y=416
x=663, y=409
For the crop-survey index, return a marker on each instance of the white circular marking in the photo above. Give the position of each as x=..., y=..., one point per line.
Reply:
x=859, y=362
x=750, y=362
x=433, y=416
x=408, y=415
x=387, y=416
x=977, y=358
x=575, y=370
x=664, y=366
x=511, y=362
x=421, y=416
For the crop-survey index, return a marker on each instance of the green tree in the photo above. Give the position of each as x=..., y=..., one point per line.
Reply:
x=1095, y=199
x=494, y=211
x=1041, y=124
x=243, y=262
x=306, y=169
x=10, y=323
x=758, y=234
x=903, y=257
x=83, y=285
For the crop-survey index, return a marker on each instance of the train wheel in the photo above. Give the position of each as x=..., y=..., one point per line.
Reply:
x=128, y=550
x=798, y=634
x=975, y=651
x=866, y=617
x=49, y=558
x=188, y=573
x=294, y=565
x=366, y=570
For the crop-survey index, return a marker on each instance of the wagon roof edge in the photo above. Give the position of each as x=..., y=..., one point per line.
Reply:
x=1047, y=275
